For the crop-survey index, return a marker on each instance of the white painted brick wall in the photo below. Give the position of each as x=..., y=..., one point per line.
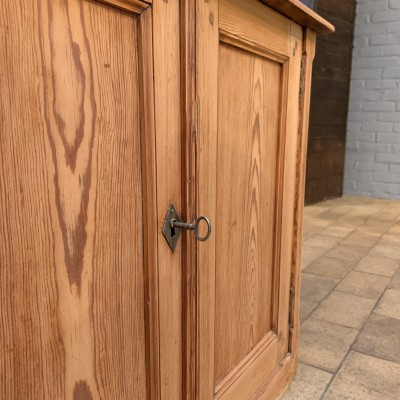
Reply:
x=372, y=165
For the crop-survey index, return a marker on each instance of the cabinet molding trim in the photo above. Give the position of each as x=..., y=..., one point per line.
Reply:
x=254, y=366
x=133, y=6
x=251, y=47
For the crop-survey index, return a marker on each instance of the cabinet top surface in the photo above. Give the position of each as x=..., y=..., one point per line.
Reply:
x=301, y=14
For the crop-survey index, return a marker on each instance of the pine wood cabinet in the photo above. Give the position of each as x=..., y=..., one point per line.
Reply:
x=109, y=112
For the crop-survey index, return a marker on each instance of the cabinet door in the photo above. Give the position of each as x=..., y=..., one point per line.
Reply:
x=249, y=63
x=79, y=294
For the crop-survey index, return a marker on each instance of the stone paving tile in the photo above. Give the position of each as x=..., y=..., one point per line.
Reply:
x=354, y=253
x=314, y=210
x=350, y=221
x=389, y=304
x=394, y=207
x=375, y=229
x=310, y=254
x=395, y=229
x=330, y=267
x=315, y=288
x=318, y=222
x=380, y=337
x=345, y=209
x=345, y=309
x=395, y=282
x=356, y=239
x=363, y=284
x=384, y=250
x=382, y=220
x=332, y=214
x=306, y=308
x=339, y=231
x=360, y=238
x=364, y=377
x=378, y=265
x=367, y=210
x=323, y=241
x=323, y=344
x=390, y=239
x=309, y=383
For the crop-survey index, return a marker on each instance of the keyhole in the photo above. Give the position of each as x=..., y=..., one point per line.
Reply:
x=172, y=227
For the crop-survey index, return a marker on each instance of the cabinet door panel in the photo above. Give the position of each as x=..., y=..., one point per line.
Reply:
x=248, y=86
x=72, y=270
x=248, y=127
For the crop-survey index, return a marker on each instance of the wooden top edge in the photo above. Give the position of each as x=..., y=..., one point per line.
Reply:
x=131, y=6
x=301, y=14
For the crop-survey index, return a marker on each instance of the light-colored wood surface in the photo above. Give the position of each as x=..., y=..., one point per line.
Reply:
x=135, y=6
x=189, y=194
x=254, y=22
x=251, y=371
x=276, y=384
x=150, y=220
x=245, y=224
x=278, y=381
x=207, y=47
x=72, y=299
x=110, y=110
x=166, y=32
x=244, y=296
x=289, y=185
x=302, y=15
x=308, y=50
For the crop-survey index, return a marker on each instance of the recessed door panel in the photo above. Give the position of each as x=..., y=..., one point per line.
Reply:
x=250, y=90
x=72, y=265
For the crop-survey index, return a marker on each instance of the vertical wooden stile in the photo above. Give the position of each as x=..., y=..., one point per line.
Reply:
x=189, y=160
x=308, y=50
x=167, y=91
x=148, y=147
x=207, y=42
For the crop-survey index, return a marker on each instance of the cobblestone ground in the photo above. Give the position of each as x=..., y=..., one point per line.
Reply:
x=350, y=302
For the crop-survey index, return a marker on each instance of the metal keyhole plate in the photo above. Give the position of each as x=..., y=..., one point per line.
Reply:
x=171, y=234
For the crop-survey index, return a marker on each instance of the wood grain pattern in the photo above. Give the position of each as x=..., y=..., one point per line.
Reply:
x=167, y=65
x=256, y=23
x=106, y=117
x=72, y=298
x=291, y=111
x=308, y=53
x=207, y=47
x=302, y=15
x=135, y=6
x=231, y=39
x=244, y=297
x=250, y=371
x=150, y=225
x=248, y=128
x=189, y=160
x=278, y=381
